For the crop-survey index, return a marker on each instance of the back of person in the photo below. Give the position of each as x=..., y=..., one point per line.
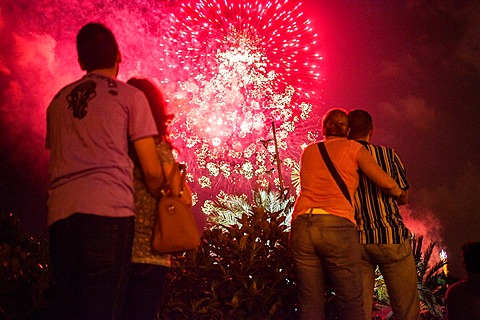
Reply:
x=317, y=182
x=462, y=299
x=380, y=220
x=385, y=239
x=90, y=191
x=88, y=125
x=148, y=278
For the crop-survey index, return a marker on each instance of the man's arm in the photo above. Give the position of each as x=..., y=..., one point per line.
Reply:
x=399, y=168
x=150, y=164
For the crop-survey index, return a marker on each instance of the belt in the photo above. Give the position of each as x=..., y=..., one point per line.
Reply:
x=316, y=211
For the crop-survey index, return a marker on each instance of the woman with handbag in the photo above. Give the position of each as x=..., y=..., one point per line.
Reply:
x=149, y=269
x=324, y=236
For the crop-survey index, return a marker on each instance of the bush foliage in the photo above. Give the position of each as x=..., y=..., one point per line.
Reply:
x=241, y=270
x=25, y=277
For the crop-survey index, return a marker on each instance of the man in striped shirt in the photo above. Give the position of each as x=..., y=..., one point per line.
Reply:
x=385, y=239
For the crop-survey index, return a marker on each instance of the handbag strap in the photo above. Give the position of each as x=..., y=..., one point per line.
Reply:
x=166, y=186
x=333, y=171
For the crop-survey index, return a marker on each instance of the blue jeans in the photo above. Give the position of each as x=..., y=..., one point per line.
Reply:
x=397, y=265
x=90, y=257
x=146, y=290
x=325, y=245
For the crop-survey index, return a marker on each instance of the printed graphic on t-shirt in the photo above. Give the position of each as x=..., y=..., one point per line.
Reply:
x=111, y=83
x=79, y=97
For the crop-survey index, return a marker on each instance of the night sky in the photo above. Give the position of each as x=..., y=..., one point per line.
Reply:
x=414, y=65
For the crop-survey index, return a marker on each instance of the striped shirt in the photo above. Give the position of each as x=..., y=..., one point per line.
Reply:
x=377, y=214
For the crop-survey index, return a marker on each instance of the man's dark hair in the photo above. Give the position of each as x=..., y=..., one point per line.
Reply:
x=471, y=257
x=360, y=123
x=96, y=47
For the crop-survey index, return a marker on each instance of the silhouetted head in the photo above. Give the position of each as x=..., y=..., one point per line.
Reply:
x=360, y=123
x=471, y=257
x=335, y=123
x=157, y=103
x=97, y=47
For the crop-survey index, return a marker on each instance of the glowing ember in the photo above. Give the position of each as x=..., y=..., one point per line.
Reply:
x=443, y=257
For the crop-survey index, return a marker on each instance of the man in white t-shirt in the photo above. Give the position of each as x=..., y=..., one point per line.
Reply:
x=90, y=191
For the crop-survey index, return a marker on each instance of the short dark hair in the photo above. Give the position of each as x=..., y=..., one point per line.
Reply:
x=471, y=257
x=335, y=123
x=360, y=123
x=96, y=47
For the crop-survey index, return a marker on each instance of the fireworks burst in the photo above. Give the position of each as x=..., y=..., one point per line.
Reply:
x=231, y=69
x=241, y=67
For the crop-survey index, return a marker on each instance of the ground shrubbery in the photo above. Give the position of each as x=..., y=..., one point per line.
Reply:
x=25, y=277
x=242, y=269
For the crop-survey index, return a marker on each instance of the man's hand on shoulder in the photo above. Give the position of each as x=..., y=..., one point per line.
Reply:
x=403, y=198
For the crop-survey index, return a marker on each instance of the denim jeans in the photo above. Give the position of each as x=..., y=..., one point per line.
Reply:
x=397, y=265
x=325, y=245
x=90, y=257
x=146, y=290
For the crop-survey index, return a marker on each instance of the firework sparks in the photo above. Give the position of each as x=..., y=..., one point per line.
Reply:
x=229, y=68
x=241, y=66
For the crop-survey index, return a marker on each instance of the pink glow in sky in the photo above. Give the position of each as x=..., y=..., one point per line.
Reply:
x=229, y=70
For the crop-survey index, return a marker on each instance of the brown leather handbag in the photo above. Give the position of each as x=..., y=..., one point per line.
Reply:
x=175, y=228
